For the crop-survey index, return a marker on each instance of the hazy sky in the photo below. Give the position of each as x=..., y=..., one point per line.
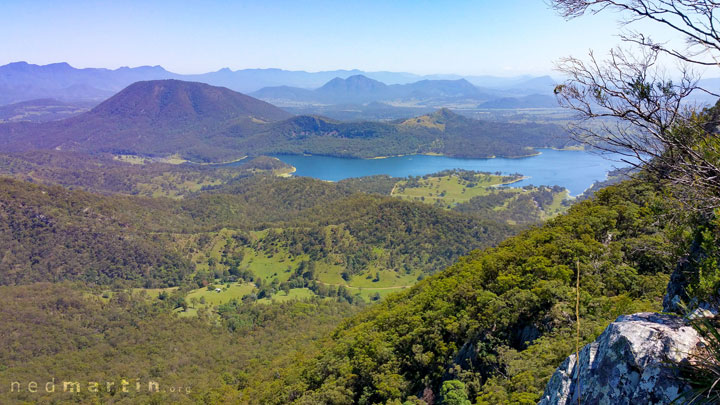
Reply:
x=498, y=37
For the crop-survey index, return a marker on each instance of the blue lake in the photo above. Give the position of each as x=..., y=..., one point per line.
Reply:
x=574, y=170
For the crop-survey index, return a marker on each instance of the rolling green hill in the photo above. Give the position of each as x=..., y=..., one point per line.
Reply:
x=498, y=320
x=51, y=233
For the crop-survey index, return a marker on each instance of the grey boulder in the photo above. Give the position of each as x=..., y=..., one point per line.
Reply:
x=627, y=363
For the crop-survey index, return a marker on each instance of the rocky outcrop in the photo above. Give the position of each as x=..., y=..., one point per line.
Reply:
x=627, y=363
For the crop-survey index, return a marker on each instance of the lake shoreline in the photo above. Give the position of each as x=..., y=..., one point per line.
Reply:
x=574, y=170
x=231, y=162
x=436, y=154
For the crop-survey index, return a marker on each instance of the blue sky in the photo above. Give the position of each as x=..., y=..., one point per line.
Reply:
x=496, y=37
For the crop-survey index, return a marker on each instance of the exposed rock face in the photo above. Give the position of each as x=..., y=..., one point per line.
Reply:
x=627, y=363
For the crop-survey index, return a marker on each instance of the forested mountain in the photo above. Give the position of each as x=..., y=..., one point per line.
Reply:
x=156, y=117
x=173, y=102
x=356, y=88
x=442, y=132
x=205, y=123
x=52, y=234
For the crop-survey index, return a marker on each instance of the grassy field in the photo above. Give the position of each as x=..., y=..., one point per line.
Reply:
x=263, y=265
x=213, y=250
x=173, y=185
x=280, y=265
x=450, y=189
x=212, y=298
x=153, y=292
x=557, y=206
x=371, y=278
x=276, y=266
x=294, y=294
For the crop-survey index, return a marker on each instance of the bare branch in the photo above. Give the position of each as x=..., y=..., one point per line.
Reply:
x=626, y=105
x=694, y=19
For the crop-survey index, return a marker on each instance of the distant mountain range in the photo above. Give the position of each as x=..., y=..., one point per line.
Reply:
x=299, y=90
x=21, y=81
x=206, y=123
x=359, y=89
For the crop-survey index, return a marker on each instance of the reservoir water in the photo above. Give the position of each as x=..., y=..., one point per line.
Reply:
x=574, y=170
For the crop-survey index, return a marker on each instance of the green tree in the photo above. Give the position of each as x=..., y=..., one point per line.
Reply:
x=453, y=393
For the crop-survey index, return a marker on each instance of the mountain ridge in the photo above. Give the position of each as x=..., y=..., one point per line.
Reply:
x=22, y=81
x=360, y=89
